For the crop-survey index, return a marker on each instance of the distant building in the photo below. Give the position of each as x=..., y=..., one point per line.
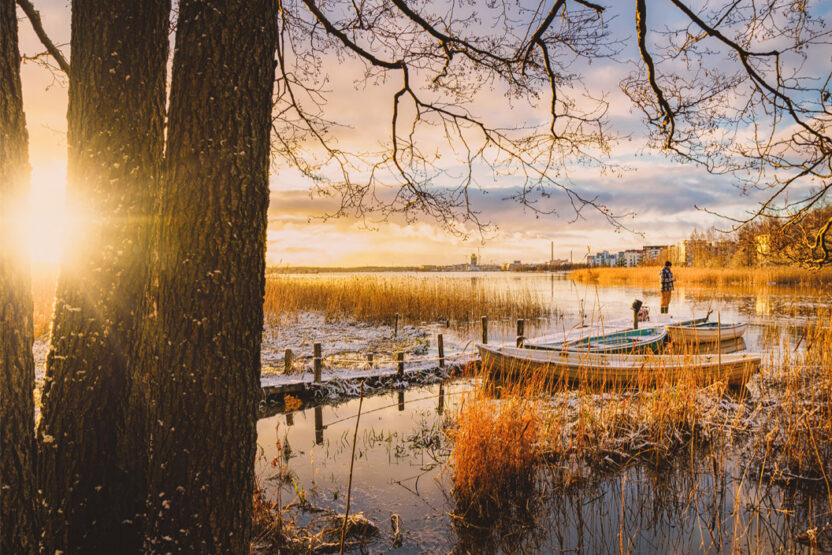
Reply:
x=650, y=253
x=630, y=258
x=680, y=254
x=603, y=258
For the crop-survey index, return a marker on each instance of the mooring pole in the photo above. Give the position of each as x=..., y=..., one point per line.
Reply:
x=440, y=343
x=484, y=330
x=287, y=361
x=317, y=362
x=400, y=365
x=521, y=337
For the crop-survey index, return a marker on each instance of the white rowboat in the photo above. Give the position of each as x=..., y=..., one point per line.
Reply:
x=520, y=363
x=705, y=332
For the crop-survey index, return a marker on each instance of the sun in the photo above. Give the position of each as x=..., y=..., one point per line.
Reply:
x=47, y=216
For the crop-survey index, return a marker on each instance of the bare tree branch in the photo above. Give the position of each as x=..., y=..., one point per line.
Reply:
x=37, y=25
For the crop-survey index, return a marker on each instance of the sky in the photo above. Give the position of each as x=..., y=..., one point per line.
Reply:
x=657, y=195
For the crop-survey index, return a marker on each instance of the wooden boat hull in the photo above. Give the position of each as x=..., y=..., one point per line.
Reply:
x=709, y=333
x=521, y=364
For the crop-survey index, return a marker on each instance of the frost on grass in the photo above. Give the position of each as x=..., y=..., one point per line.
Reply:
x=344, y=342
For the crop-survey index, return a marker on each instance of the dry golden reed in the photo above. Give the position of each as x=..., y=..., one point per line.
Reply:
x=797, y=432
x=379, y=298
x=495, y=450
x=648, y=276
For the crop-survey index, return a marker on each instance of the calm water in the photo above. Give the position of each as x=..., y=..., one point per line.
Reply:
x=770, y=310
x=401, y=455
x=401, y=467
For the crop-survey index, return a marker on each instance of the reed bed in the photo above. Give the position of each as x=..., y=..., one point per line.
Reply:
x=648, y=276
x=495, y=451
x=780, y=427
x=379, y=299
x=795, y=432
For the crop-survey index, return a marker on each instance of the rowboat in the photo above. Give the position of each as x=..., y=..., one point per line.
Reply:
x=705, y=332
x=523, y=363
x=625, y=341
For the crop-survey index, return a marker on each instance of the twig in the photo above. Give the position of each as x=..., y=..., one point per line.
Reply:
x=37, y=25
x=352, y=460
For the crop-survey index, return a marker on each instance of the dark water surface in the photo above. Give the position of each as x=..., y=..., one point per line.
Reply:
x=401, y=467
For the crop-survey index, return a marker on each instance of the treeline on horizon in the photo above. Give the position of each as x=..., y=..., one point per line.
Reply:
x=768, y=241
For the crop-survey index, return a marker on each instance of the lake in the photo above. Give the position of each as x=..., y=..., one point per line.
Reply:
x=703, y=500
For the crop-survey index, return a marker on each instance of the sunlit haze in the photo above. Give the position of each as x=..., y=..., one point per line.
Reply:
x=660, y=193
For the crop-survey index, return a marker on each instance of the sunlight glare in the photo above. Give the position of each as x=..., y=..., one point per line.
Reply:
x=47, y=214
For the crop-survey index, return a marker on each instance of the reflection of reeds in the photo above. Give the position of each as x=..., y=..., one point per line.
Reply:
x=648, y=276
x=797, y=432
x=418, y=299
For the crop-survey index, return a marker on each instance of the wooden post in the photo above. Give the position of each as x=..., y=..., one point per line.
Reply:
x=316, y=350
x=396, y=326
x=485, y=330
x=719, y=342
x=441, y=406
x=440, y=343
x=287, y=361
x=635, y=319
x=401, y=400
x=400, y=361
x=521, y=326
x=370, y=359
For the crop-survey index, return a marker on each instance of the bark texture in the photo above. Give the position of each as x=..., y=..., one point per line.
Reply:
x=200, y=348
x=17, y=366
x=115, y=139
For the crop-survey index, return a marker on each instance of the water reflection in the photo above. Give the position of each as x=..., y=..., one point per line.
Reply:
x=572, y=303
x=706, y=499
x=319, y=425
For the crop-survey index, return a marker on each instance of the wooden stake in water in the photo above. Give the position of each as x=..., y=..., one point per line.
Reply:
x=440, y=343
x=352, y=460
x=521, y=326
x=370, y=359
x=400, y=365
x=396, y=326
x=317, y=362
x=485, y=330
x=287, y=361
x=719, y=342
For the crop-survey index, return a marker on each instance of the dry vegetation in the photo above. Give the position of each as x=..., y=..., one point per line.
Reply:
x=648, y=276
x=781, y=428
x=417, y=299
x=495, y=450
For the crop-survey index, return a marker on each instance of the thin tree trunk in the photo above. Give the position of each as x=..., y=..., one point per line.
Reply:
x=17, y=365
x=115, y=139
x=200, y=349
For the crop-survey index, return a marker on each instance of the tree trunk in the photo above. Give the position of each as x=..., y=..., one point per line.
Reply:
x=17, y=365
x=200, y=345
x=115, y=139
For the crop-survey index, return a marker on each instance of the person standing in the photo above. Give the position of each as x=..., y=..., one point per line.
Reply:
x=667, y=286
